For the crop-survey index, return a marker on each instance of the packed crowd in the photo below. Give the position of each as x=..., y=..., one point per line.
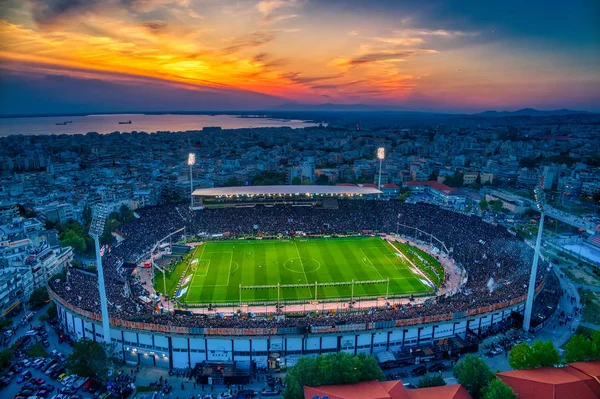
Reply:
x=497, y=263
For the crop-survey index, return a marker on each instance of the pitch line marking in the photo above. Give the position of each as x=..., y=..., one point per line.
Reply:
x=371, y=263
x=196, y=271
x=414, y=269
x=302, y=264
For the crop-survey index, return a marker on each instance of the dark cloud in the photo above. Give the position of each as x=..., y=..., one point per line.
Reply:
x=338, y=85
x=254, y=39
x=298, y=78
x=155, y=27
x=47, y=12
x=383, y=56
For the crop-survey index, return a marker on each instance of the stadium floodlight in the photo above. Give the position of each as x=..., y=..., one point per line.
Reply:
x=191, y=162
x=380, y=156
x=99, y=216
x=539, y=202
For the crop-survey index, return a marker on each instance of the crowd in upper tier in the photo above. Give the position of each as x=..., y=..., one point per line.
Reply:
x=486, y=251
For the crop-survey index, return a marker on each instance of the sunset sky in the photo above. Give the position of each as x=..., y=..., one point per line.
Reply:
x=455, y=56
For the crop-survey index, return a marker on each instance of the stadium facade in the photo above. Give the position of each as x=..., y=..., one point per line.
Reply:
x=183, y=347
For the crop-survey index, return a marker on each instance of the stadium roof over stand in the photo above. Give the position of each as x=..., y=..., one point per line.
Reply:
x=285, y=190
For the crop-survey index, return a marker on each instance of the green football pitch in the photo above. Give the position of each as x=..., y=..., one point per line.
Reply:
x=214, y=271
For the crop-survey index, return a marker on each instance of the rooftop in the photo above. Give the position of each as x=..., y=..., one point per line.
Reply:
x=285, y=190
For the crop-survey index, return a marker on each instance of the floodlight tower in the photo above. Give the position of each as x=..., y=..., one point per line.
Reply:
x=96, y=229
x=191, y=162
x=539, y=201
x=380, y=156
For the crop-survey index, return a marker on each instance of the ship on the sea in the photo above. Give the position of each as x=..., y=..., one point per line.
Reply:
x=125, y=123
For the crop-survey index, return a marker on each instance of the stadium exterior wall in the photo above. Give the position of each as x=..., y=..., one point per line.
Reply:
x=183, y=347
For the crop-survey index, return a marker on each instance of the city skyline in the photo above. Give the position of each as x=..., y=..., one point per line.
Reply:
x=158, y=55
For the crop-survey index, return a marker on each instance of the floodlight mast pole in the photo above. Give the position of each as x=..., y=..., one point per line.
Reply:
x=191, y=162
x=539, y=199
x=96, y=230
x=380, y=155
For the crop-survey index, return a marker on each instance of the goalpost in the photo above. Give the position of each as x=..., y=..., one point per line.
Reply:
x=316, y=286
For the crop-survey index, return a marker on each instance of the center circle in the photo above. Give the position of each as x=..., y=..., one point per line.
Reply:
x=302, y=265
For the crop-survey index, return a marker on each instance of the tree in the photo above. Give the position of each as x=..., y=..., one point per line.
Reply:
x=484, y=205
x=5, y=324
x=110, y=225
x=498, y=390
x=296, y=181
x=457, y=179
x=474, y=374
x=88, y=359
x=125, y=214
x=431, y=380
x=580, y=349
x=332, y=369
x=51, y=311
x=497, y=205
x=540, y=354
x=73, y=239
x=232, y=182
x=87, y=214
x=39, y=297
x=323, y=179
x=5, y=358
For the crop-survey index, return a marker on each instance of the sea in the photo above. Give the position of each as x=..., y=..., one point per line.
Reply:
x=109, y=123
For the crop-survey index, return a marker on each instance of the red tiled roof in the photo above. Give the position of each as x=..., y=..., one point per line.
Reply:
x=433, y=184
x=346, y=184
x=361, y=390
x=386, y=390
x=455, y=391
x=389, y=186
x=370, y=185
x=591, y=368
x=551, y=383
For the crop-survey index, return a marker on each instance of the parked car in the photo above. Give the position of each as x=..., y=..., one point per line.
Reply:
x=62, y=357
x=45, y=343
x=67, y=390
x=25, y=375
x=43, y=393
x=61, y=377
x=52, y=368
x=26, y=362
x=419, y=370
x=38, y=381
x=47, y=387
x=437, y=367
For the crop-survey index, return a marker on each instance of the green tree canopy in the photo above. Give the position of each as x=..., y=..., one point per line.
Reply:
x=484, y=205
x=39, y=297
x=580, y=349
x=268, y=178
x=497, y=205
x=73, y=239
x=332, y=369
x=474, y=374
x=296, y=181
x=498, y=390
x=6, y=356
x=431, y=380
x=88, y=359
x=540, y=354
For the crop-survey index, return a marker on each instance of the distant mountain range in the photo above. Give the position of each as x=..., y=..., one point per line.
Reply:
x=329, y=107
x=531, y=112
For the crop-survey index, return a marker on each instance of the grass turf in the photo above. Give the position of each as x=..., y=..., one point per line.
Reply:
x=215, y=270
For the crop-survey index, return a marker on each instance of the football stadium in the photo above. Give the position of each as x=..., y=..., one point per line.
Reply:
x=298, y=269
x=254, y=278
